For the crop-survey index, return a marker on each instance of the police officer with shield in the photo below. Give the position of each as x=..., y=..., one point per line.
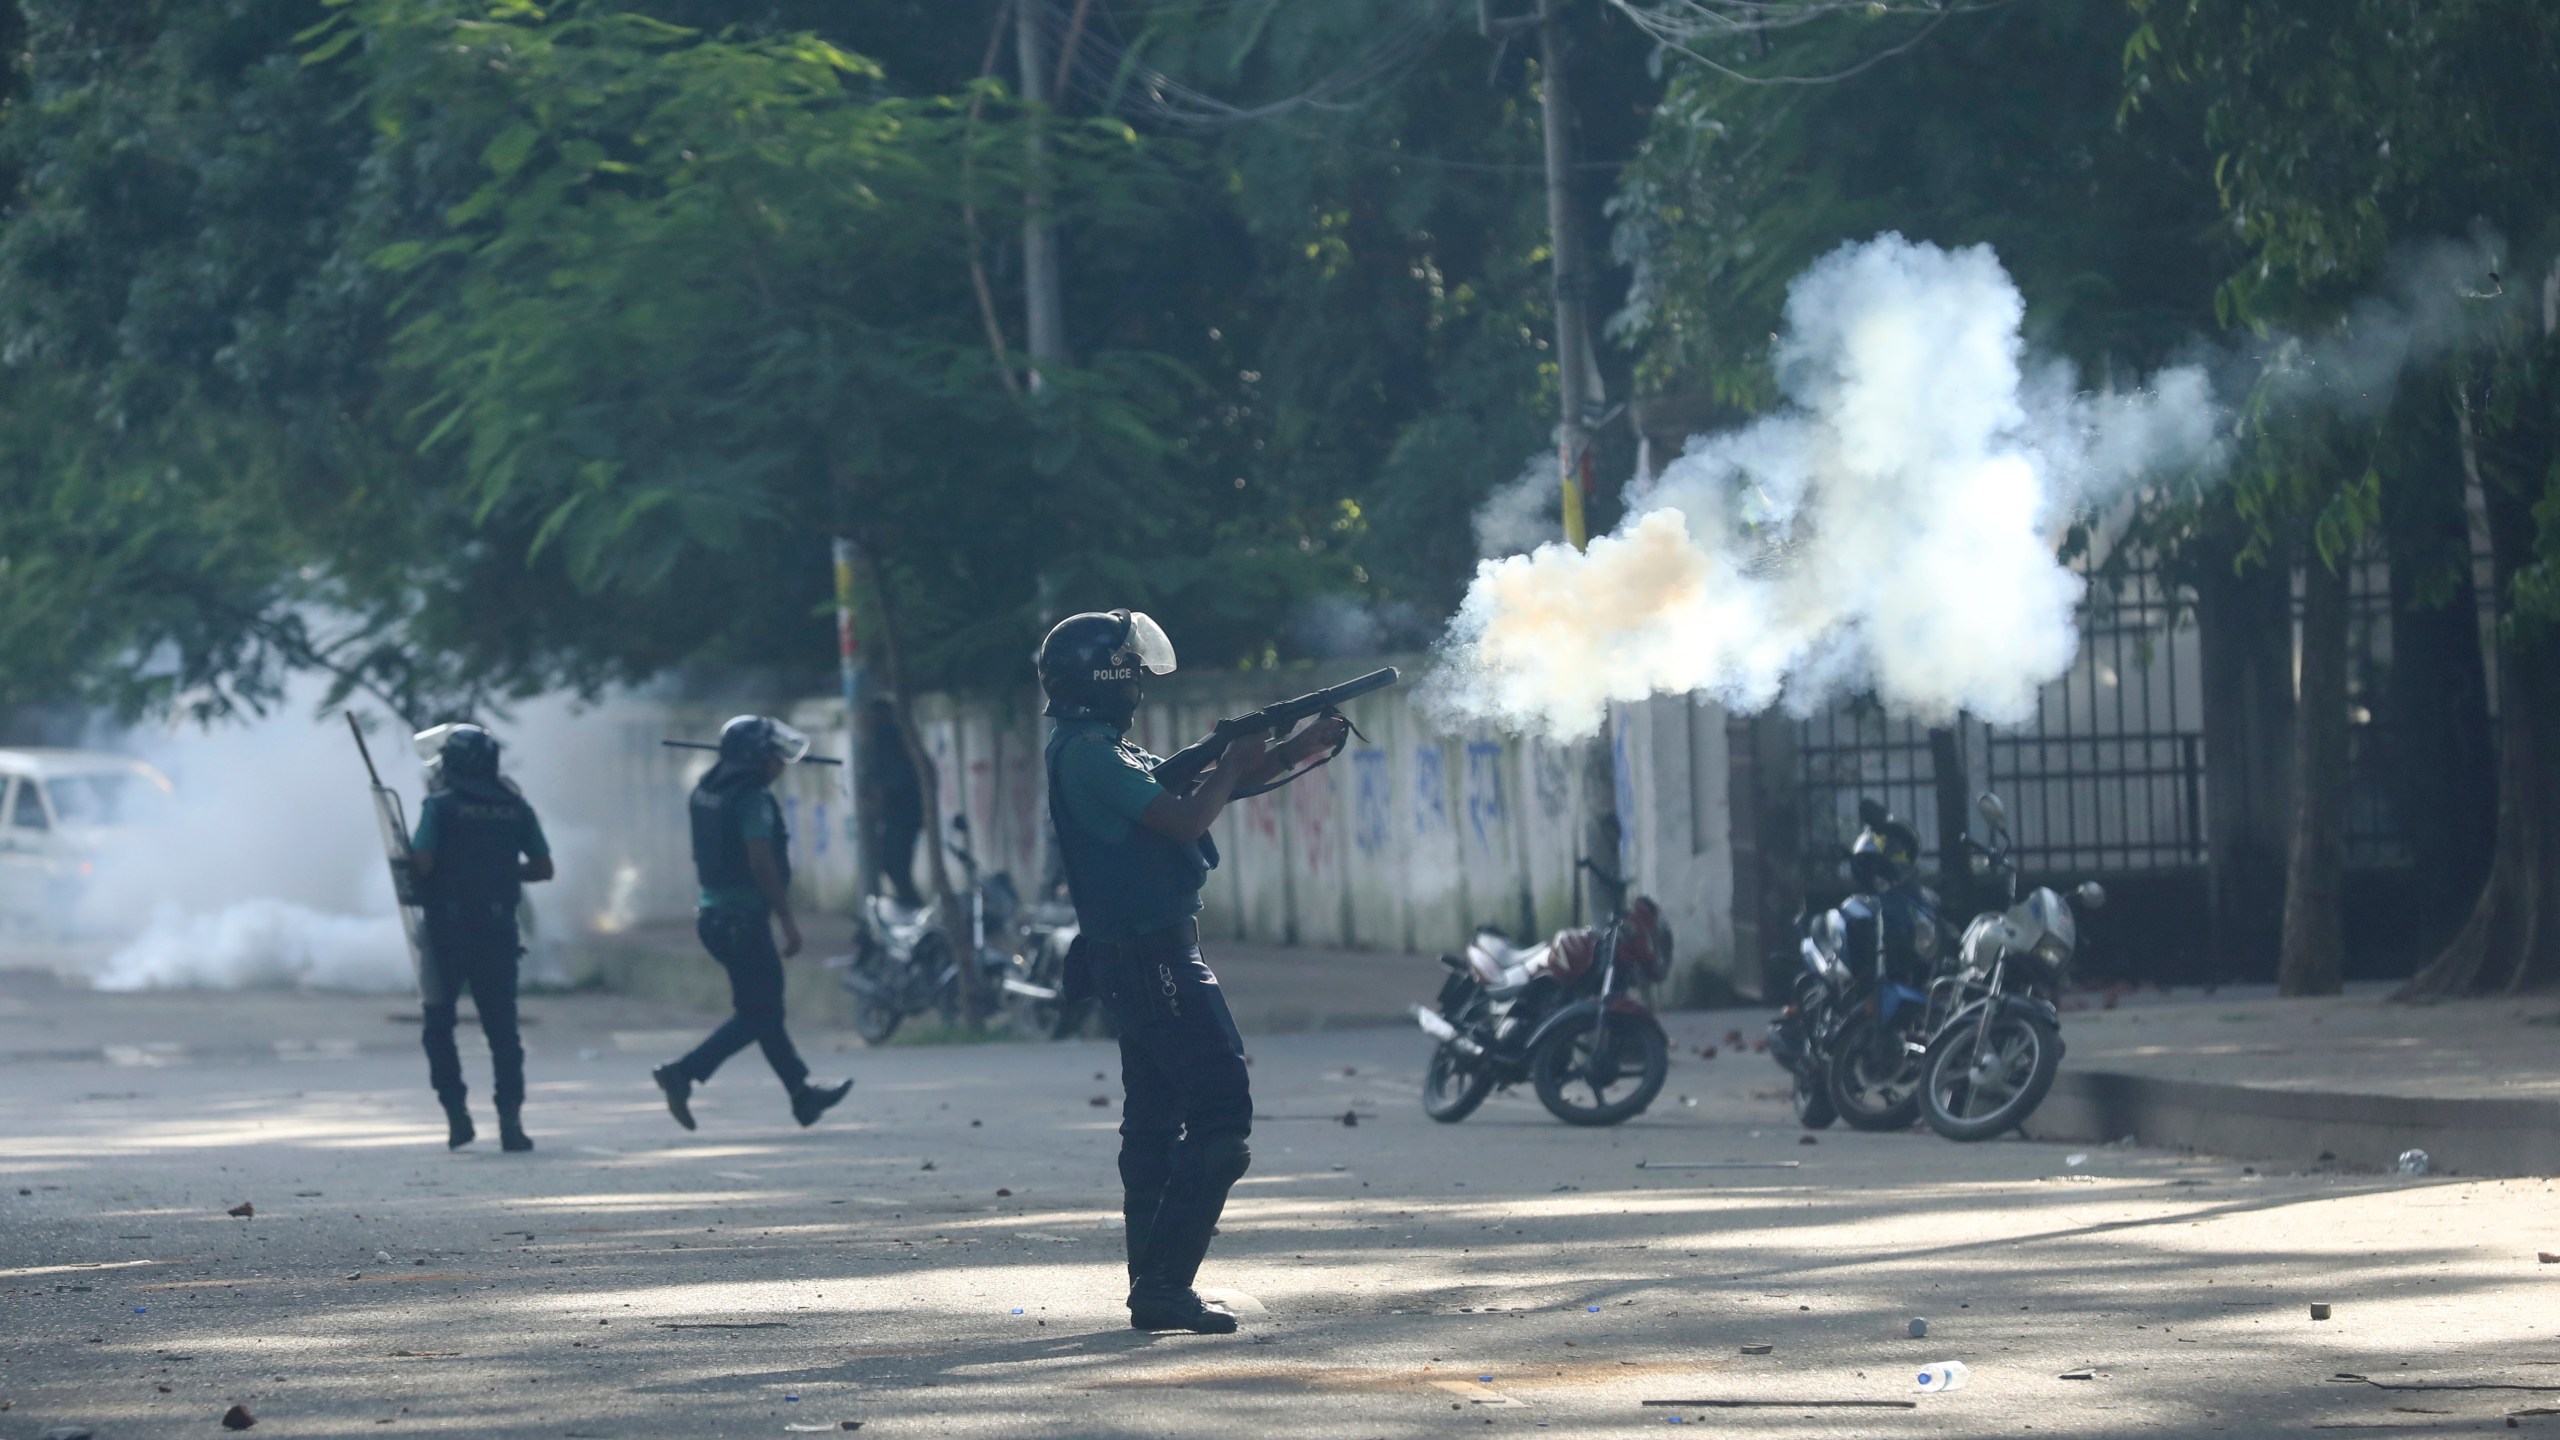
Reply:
x=1136, y=854
x=742, y=856
x=477, y=845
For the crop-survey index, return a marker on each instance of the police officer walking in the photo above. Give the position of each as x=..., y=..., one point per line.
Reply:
x=477, y=844
x=1136, y=854
x=742, y=856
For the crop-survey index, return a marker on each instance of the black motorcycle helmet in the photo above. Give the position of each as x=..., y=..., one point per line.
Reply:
x=1886, y=851
x=1093, y=665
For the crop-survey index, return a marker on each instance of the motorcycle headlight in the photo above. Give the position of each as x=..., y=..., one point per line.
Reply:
x=1980, y=863
x=2055, y=951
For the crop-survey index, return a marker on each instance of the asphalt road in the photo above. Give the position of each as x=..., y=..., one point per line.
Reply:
x=939, y=1260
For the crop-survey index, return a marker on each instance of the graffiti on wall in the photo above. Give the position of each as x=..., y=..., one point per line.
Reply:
x=1371, y=809
x=1484, y=792
x=1547, y=763
x=1430, y=791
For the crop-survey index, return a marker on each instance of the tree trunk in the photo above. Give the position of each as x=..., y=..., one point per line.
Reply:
x=2316, y=858
x=1044, y=304
x=2512, y=939
x=954, y=911
x=2244, y=623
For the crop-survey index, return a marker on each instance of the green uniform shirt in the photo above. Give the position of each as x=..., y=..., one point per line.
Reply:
x=1127, y=879
x=760, y=818
x=1106, y=785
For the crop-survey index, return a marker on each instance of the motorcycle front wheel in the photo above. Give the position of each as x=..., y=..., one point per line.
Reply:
x=1812, y=1096
x=1451, y=1088
x=1620, y=1075
x=1874, y=1092
x=1985, y=1080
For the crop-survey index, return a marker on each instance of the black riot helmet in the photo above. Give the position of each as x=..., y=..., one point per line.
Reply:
x=756, y=738
x=458, y=756
x=1092, y=665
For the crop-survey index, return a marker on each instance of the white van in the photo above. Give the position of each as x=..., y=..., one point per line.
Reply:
x=58, y=808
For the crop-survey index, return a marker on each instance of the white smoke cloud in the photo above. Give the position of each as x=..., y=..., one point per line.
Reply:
x=268, y=870
x=261, y=943
x=1892, y=527
x=1523, y=513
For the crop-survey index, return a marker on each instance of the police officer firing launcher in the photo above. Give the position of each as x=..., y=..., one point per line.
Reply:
x=477, y=844
x=1137, y=850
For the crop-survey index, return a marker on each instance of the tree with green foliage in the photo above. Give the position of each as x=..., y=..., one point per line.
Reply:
x=2350, y=134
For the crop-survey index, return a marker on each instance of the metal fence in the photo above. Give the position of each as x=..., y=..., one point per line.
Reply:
x=2109, y=777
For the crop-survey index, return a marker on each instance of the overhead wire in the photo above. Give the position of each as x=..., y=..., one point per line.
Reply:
x=1733, y=19
x=1110, y=75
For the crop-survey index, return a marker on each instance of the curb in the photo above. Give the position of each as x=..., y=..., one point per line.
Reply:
x=2306, y=1127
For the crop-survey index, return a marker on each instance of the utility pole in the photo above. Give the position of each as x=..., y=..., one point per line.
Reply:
x=1045, y=324
x=1579, y=387
x=1579, y=401
x=861, y=796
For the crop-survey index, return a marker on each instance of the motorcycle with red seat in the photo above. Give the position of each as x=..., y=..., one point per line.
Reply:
x=1568, y=1017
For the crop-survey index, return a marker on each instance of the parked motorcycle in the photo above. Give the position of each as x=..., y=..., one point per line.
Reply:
x=1992, y=1061
x=904, y=964
x=1853, y=1033
x=1036, y=973
x=1801, y=1036
x=1567, y=1016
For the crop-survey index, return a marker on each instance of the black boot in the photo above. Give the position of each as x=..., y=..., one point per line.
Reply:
x=457, y=1122
x=679, y=1091
x=1139, y=1215
x=1160, y=1293
x=1177, y=1310
x=511, y=1136
x=808, y=1101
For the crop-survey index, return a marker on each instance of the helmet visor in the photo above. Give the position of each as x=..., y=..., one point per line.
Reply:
x=789, y=745
x=430, y=743
x=1149, y=643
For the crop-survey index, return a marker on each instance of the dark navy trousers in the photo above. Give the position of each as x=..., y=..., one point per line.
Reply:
x=1187, y=1106
x=475, y=948
x=742, y=941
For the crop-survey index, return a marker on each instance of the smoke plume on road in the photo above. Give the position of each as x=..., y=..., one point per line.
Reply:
x=1891, y=527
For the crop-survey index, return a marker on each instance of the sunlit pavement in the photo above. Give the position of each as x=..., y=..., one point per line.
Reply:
x=938, y=1257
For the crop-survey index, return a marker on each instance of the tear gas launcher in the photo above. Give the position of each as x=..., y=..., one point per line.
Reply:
x=1183, y=767
x=395, y=848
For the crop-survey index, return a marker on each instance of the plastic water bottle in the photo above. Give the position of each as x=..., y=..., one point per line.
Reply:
x=2413, y=1162
x=1945, y=1375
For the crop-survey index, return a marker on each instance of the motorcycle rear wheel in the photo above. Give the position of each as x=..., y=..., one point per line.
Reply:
x=1813, y=1096
x=875, y=1020
x=1984, y=1081
x=1452, y=1089
x=1867, y=1100
x=1564, y=1062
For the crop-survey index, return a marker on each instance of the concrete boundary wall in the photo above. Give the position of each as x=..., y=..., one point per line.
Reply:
x=1404, y=843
